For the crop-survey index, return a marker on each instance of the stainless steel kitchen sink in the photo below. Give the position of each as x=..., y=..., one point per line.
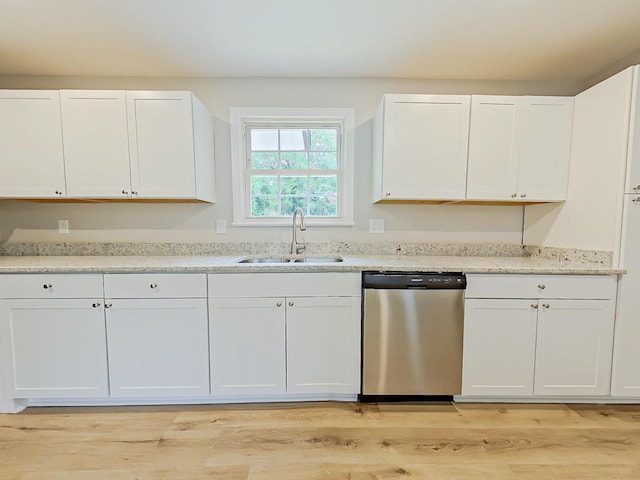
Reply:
x=264, y=260
x=290, y=260
x=318, y=260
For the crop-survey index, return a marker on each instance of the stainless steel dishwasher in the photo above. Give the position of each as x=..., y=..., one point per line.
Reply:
x=412, y=334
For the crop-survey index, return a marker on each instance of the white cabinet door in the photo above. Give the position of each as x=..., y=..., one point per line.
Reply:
x=625, y=381
x=323, y=345
x=162, y=148
x=54, y=348
x=499, y=347
x=493, y=148
x=573, y=348
x=519, y=148
x=633, y=149
x=31, y=161
x=247, y=346
x=158, y=347
x=422, y=148
x=96, y=143
x=545, y=147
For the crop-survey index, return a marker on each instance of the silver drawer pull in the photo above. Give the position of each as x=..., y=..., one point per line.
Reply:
x=542, y=286
x=545, y=305
x=291, y=304
x=153, y=285
x=95, y=305
x=108, y=305
x=47, y=286
x=534, y=306
x=279, y=304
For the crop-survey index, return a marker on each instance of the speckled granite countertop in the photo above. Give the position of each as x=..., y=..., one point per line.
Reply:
x=228, y=263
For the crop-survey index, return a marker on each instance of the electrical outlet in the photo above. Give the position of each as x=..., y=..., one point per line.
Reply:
x=376, y=225
x=63, y=226
x=221, y=226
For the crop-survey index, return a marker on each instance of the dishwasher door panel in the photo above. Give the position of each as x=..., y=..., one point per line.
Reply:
x=412, y=342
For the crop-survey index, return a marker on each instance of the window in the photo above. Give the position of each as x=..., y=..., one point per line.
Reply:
x=285, y=159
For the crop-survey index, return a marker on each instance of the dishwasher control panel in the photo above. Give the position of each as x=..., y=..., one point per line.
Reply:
x=420, y=280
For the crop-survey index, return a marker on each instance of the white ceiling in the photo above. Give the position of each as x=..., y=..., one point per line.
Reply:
x=451, y=39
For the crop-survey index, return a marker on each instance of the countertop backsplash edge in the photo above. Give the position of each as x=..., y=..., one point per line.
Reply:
x=313, y=248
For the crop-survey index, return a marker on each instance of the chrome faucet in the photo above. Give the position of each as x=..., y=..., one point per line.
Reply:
x=295, y=246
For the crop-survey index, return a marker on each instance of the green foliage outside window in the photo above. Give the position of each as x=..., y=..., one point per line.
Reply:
x=291, y=168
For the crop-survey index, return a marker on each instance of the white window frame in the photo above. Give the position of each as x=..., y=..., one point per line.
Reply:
x=240, y=117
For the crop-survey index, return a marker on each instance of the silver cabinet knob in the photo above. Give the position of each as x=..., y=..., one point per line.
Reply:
x=534, y=306
x=47, y=286
x=523, y=195
x=542, y=286
x=545, y=305
x=636, y=200
x=108, y=305
x=134, y=193
x=388, y=194
x=291, y=304
x=636, y=188
x=153, y=285
x=124, y=192
x=514, y=195
x=58, y=193
x=279, y=304
x=95, y=305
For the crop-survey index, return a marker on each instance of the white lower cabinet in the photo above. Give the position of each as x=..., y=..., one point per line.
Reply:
x=247, y=346
x=558, y=345
x=499, y=347
x=303, y=344
x=574, y=347
x=56, y=348
x=52, y=336
x=323, y=338
x=158, y=347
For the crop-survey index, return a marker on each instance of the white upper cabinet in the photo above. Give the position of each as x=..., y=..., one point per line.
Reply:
x=545, y=148
x=493, y=138
x=519, y=148
x=170, y=145
x=117, y=145
x=31, y=161
x=633, y=149
x=96, y=143
x=420, y=147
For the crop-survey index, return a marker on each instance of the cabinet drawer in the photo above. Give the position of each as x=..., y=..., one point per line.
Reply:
x=284, y=284
x=42, y=285
x=541, y=286
x=155, y=285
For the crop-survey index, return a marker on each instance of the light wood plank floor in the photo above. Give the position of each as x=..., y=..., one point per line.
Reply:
x=323, y=441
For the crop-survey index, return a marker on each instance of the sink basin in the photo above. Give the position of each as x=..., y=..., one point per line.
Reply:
x=290, y=260
x=265, y=260
x=318, y=260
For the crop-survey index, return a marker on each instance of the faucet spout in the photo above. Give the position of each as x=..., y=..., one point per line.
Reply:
x=295, y=246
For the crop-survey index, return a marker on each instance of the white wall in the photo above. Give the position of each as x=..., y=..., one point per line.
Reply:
x=24, y=221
